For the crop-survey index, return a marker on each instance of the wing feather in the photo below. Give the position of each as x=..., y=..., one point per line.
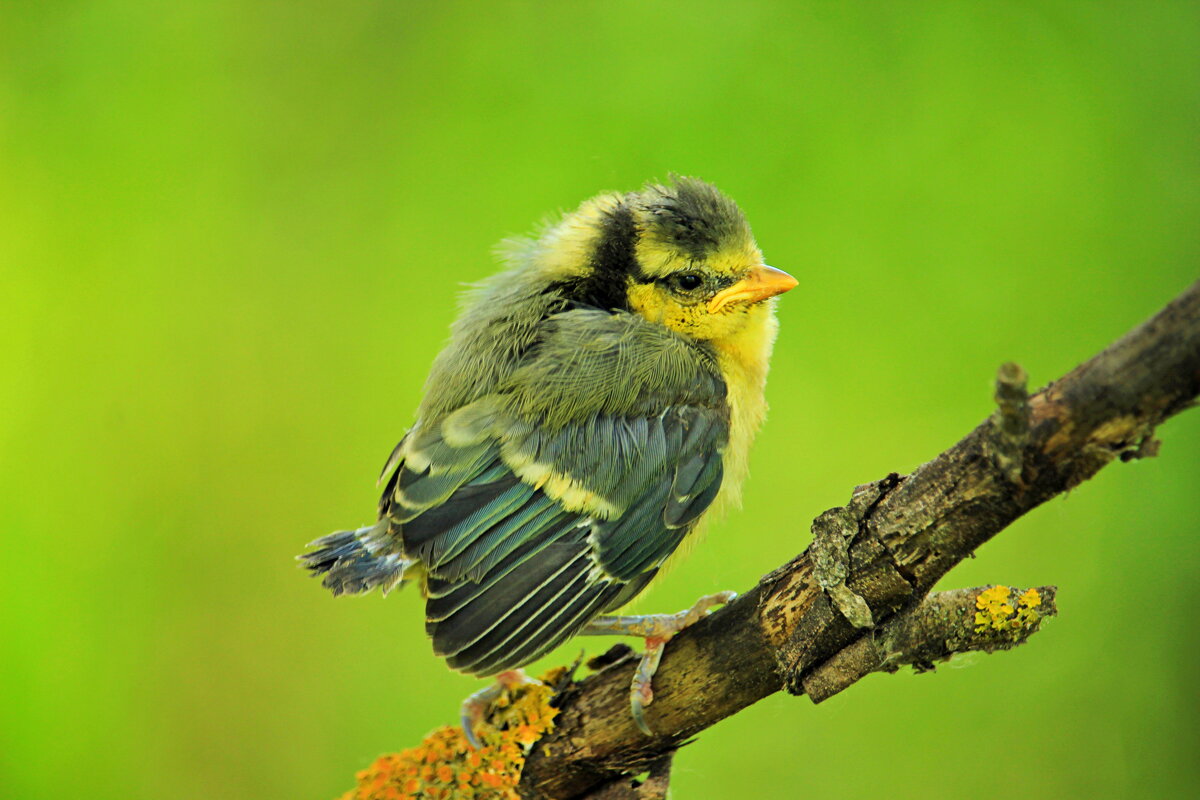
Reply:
x=503, y=602
x=555, y=624
x=539, y=505
x=497, y=645
x=541, y=514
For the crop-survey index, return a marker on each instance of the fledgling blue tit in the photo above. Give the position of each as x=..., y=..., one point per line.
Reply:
x=596, y=400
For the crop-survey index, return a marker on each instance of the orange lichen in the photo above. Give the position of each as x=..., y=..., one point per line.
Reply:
x=445, y=767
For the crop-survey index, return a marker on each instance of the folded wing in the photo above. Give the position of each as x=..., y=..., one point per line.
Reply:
x=557, y=497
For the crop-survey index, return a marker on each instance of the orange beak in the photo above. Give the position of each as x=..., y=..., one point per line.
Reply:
x=762, y=282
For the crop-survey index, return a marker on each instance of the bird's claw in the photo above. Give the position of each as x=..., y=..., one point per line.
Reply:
x=636, y=706
x=472, y=711
x=657, y=630
x=706, y=604
x=641, y=693
x=473, y=708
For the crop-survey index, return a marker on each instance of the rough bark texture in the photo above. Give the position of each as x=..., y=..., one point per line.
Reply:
x=875, y=557
x=942, y=626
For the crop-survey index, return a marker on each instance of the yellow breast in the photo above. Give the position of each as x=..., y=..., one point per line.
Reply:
x=743, y=359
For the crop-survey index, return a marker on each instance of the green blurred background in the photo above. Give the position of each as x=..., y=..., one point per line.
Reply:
x=231, y=236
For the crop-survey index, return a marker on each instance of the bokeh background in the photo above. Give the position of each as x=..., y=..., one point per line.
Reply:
x=231, y=238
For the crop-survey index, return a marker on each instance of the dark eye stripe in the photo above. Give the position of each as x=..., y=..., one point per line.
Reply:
x=612, y=264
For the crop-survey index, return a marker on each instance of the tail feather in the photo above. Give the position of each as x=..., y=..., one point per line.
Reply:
x=354, y=562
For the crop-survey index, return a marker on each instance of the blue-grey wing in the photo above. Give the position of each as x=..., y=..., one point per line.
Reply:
x=528, y=526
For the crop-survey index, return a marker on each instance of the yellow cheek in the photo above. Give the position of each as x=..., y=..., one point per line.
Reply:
x=647, y=300
x=694, y=321
x=656, y=306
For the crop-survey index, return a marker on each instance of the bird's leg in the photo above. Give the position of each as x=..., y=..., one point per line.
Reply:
x=475, y=705
x=657, y=630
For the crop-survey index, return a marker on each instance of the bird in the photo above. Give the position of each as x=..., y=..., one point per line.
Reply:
x=593, y=408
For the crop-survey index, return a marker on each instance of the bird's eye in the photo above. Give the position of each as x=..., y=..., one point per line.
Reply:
x=686, y=281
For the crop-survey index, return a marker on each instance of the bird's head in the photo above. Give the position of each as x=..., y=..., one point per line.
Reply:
x=679, y=254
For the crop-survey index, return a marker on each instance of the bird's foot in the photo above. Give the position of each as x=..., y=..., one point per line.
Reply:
x=657, y=630
x=473, y=707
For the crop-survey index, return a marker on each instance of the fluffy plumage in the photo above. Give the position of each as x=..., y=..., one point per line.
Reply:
x=594, y=401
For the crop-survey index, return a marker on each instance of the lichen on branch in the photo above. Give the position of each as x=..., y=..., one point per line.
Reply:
x=944, y=625
x=445, y=767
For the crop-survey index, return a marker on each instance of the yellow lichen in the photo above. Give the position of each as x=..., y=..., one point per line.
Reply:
x=994, y=611
x=445, y=767
x=1027, y=614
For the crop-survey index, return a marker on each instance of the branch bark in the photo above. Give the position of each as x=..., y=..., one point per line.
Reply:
x=899, y=535
x=987, y=618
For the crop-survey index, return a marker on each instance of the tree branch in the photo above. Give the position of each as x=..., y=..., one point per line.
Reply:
x=943, y=625
x=898, y=536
